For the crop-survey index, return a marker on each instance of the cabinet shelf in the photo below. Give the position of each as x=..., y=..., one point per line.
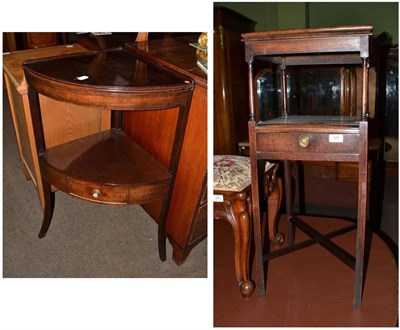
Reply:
x=312, y=120
x=106, y=167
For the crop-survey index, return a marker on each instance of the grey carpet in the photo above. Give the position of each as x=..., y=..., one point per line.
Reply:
x=84, y=239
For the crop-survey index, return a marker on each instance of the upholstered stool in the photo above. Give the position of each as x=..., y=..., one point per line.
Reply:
x=232, y=202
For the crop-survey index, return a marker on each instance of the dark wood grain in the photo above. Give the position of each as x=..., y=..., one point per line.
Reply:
x=236, y=208
x=109, y=167
x=174, y=53
x=230, y=83
x=309, y=137
x=113, y=79
x=111, y=162
x=187, y=219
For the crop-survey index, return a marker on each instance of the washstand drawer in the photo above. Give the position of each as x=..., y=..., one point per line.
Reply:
x=113, y=194
x=307, y=143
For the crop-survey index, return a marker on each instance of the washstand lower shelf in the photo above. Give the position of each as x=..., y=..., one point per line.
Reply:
x=107, y=167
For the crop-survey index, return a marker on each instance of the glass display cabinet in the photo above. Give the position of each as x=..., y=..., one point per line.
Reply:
x=316, y=120
x=327, y=90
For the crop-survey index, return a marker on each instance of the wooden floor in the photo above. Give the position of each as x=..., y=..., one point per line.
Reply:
x=309, y=287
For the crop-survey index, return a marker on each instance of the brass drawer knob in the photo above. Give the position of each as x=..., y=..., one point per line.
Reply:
x=96, y=193
x=304, y=141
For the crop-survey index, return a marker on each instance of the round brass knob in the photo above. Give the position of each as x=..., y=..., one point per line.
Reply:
x=304, y=141
x=96, y=193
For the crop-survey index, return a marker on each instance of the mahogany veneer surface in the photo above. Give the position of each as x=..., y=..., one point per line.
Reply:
x=187, y=219
x=109, y=167
x=62, y=122
x=311, y=138
x=114, y=69
x=174, y=53
x=123, y=173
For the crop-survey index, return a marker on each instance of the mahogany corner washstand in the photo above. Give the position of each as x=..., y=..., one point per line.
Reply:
x=310, y=138
x=108, y=167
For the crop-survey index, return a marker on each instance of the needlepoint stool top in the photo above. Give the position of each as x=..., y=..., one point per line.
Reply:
x=232, y=172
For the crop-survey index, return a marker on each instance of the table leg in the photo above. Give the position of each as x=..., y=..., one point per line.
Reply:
x=288, y=194
x=256, y=216
x=361, y=214
x=48, y=208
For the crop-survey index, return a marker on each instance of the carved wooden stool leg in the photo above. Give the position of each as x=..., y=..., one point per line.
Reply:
x=235, y=210
x=273, y=192
x=242, y=234
x=48, y=208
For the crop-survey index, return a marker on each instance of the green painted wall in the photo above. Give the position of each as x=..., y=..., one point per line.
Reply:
x=291, y=15
x=264, y=13
x=382, y=15
x=286, y=15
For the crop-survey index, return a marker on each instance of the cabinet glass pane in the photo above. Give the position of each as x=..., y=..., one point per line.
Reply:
x=310, y=91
